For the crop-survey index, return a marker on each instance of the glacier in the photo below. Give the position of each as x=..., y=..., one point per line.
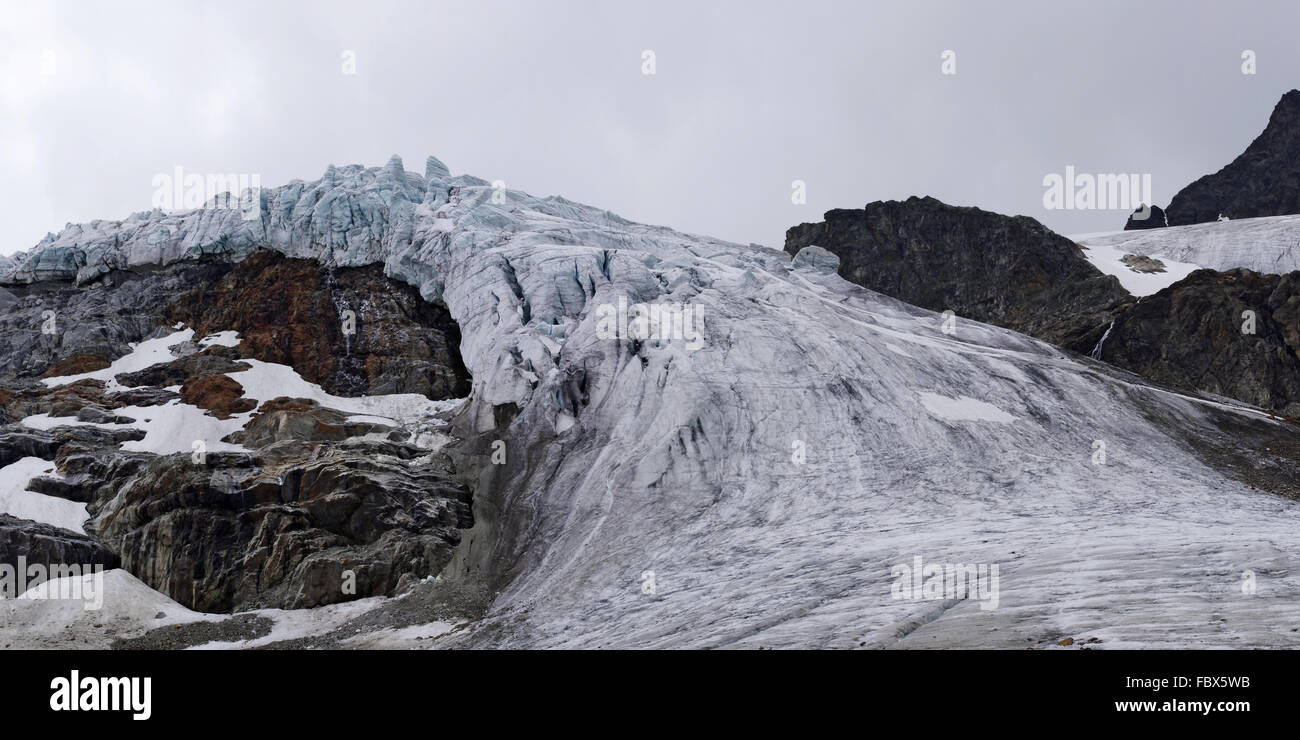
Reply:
x=1268, y=244
x=756, y=491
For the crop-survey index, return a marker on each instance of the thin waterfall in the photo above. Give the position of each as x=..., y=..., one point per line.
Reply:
x=1096, y=351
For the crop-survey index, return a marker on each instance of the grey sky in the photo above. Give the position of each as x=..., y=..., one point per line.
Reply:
x=549, y=96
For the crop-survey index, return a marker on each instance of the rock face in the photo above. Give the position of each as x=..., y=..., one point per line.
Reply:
x=1197, y=335
x=1008, y=271
x=56, y=328
x=319, y=509
x=288, y=526
x=1263, y=181
x=351, y=330
x=288, y=311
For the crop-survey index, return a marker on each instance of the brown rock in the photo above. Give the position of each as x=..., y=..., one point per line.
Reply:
x=76, y=365
x=302, y=419
x=219, y=394
x=290, y=311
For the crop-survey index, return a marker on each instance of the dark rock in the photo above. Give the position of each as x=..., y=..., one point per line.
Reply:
x=1190, y=335
x=19, y=442
x=318, y=504
x=98, y=322
x=1155, y=219
x=180, y=636
x=288, y=311
x=180, y=370
x=1003, y=270
x=144, y=396
x=68, y=400
x=221, y=395
x=76, y=365
x=218, y=537
x=97, y=415
x=45, y=544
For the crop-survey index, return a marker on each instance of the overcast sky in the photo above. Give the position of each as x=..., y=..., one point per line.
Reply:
x=550, y=96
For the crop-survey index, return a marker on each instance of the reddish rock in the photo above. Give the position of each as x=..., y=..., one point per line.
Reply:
x=76, y=365
x=219, y=394
x=291, y=312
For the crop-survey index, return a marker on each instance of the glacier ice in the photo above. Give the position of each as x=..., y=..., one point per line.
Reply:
x=757, y=491
x=1269, y=244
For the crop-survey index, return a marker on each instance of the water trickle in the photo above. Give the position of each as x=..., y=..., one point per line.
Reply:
x=1096, y=351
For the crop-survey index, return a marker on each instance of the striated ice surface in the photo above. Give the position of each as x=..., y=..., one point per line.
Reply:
x=756, y=491
x=1269, y=244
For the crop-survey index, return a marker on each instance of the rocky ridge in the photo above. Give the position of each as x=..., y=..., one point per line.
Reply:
x=1008, y=271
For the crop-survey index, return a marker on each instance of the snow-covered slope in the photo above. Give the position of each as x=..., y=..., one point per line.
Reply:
x=1270, y=244
x=757, y=491
x=1110, y=260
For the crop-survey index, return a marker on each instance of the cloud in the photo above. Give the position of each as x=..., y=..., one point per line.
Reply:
x=550, y=97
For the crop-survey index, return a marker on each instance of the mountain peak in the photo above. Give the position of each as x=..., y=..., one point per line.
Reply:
x=1263, y=181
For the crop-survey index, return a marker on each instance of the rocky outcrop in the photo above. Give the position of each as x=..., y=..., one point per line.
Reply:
x=1139, y=263
x=283, y=419
x=1148, y=218
x=352, y=330
x=209, y=362
x=54, y=328
x=299, y=524
x=1003, y=270
x=17, y=442
x=320, y=508
x=47, y=545
x=1197, y=335
x=1014, y=273
x=1263, y=181
x=646, y=494
x=220, y=395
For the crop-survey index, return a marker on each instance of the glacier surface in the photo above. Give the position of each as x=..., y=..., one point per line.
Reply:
x=756, y=491
x=1269, y=244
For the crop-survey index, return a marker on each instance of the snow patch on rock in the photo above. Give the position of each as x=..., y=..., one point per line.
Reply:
x=16, y=500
